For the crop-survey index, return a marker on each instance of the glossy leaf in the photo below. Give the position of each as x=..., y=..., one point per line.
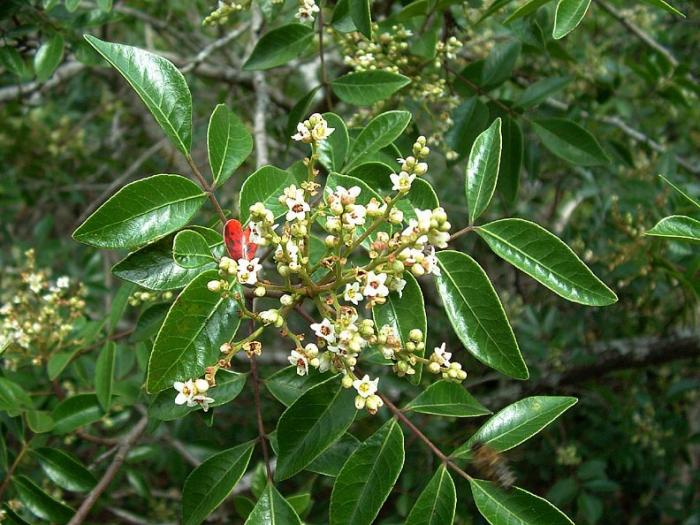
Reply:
x=229, y=143
x=332, y=460
x=13, y=399
x=210, y=483
x=469, y=119
x=39, y=503
x=365, y=88
x=64, y=470
x=662, y=4
x=149, y=322
x=569, y=15
x=404, y=313
x=279, y=46
x=333, y=150
x=153, y=266
x=517, y=423
x=437, y=503
x=265, y=185
x=514, y=507
x=361, y=16
x=286, y=385
x=311, y=424
x=482, y=170
x=159, y=84
x=511, y=159
x=272, y=509
x=75, y=412
x=530, y=6
x=198, y=323
x=228, y=385
x=366, y=479
x=446, y=398
x=104, y=374
x=381, y=131
x=476, y=314
x=677, y=227
x=142, y=212
x=541, y=90
x=39, y=421
x=48, y=57
x=682, y=193
x=191, y=249
x=569, y=141
x=545, y=258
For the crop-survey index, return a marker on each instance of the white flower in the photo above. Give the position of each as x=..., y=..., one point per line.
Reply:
x=347, y=195
x=356, y=216
x=63, y=282
x=375, y=285
x=439, y=239
x=202, y=385
x=352, y=293
x=248, y=271
x=269, y=316
x=423, y=220
x=443, y=355
x=414, y=229
x=256, y=233
x=397, y=285
x=402, y=181
x=306, y=10
x=203, y=401
x=303, y=133
x=430, y=262
x=325, y=361
x=333, y=224
x=320, y=131
x=186, y=392
x=297, y=205
x=365, y=387
x=325, y=330
x=301, y=362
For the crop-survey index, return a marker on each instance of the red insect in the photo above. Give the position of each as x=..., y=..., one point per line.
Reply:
x=237, y=241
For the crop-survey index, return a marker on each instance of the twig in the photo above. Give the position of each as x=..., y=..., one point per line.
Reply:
x=207, y=188
x=13, y=467
x=461, y=232
x=129, y=441
x=324, y=75
x=63, y=73
x=208, y=50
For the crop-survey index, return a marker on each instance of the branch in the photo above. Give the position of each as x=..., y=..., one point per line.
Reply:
x=208, y=50
x=129, y=441
x=63, y=73
x=261, y=98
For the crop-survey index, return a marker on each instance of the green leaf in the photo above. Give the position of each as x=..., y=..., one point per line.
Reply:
x=279, y=46
x=119, y=305
x=499, y=65
x=517, y=423
x=311, y=424
x=404, y=313
x=159, y=84
x=482, y=170
x=365, y=88
x=39, y=503
x=333, y=150
x=470, y=118
x=265, y=185
x=341, y=20
x=198, y=323
x=437, y=503
x=228, y=385
x=361, y=16
x=332, y=460
x=48, y=57
x=590, y=507
x=366, y=479
x=71, y=5
x=141, y=212
x=511, y=159
x=682, y=193
x=13, y=399
x=381, y=131
x=545, y=258
x=569, y=141
x=538, y=92
x=104, y=375
x=514, y=507
x=272, y=509
x=528, y=7
x=75, y=412
x=229, y=143
x=446, y=398
x=678, y=227
x=662, y=4
x=39, y=421
x=153, y=266
x=210, y=483
x=149, y=322
x=64, y=470
x=569, y=15
x=287, y=386
x=191, y=249
x=476, y=314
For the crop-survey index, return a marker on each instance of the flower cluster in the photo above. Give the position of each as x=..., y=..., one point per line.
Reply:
x=306, y=11
x=339, y=284
x=193, y=392
x=37, y=314
x=224, y=10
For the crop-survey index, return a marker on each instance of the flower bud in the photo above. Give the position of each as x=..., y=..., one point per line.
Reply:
x=202, y=385
x=415, y=335
x=347, y=381
x=260, y=291
x=287, y=300
x=434, y=368
x=214, y=286
x=225, y=348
